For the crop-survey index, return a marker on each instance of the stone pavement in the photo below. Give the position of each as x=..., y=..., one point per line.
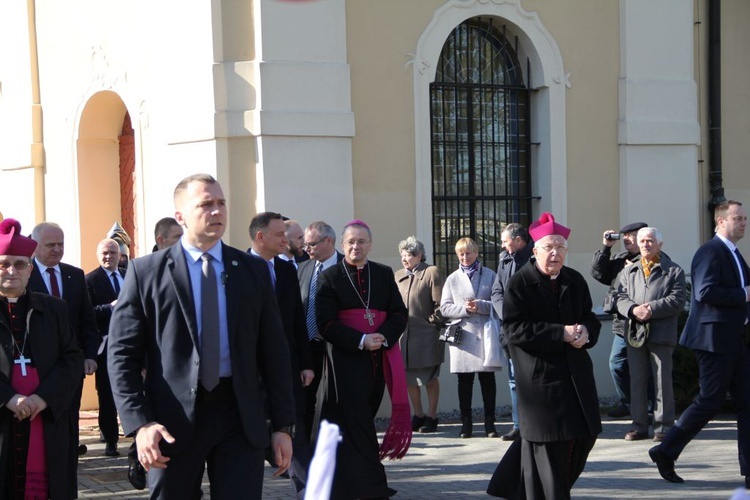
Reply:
x=442, y=466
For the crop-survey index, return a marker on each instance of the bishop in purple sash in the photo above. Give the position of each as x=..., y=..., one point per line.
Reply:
x=361, y=316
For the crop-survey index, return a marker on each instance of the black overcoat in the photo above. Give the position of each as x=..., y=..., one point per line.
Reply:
x=59, y=362
x=557, y=398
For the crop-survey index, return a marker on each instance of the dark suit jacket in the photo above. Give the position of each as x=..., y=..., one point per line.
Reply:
x=717, y=305
x=102, y=294
x=155, y=316
x=292, y=314
x=80, y=310
x=304, y=274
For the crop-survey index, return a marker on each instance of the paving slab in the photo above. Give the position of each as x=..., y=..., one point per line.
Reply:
x=441, y=465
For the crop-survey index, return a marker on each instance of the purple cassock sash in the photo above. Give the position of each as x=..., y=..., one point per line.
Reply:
x=37, y=480
x=398, y=435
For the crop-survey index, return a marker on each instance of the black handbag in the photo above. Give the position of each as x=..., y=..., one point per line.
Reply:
x=451, y=334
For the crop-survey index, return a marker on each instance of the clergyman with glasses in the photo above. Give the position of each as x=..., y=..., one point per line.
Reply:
x=549, y=325
x=41, y=367
x=361, y=316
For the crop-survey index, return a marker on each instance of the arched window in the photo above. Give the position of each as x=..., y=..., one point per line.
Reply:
x=480, y=139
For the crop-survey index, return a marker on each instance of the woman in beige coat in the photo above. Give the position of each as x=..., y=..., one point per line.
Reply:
x=421, y=286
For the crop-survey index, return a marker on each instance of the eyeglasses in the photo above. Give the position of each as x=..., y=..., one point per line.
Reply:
x=19, y=265
x=351, y=243
x=550, y=248
x=313, y=245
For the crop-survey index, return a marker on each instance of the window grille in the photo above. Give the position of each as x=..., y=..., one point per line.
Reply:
x=481, y=148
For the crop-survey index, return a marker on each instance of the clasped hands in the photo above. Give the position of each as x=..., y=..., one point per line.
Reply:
x=576, y=335
x=26, y=406
x=642, y=312
x=374, y=341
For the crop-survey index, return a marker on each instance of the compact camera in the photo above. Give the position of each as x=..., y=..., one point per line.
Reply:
x=612, y=236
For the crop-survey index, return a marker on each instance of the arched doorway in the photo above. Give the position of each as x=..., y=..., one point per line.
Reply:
x=106, y=173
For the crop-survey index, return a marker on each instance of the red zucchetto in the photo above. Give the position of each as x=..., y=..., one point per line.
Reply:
x=12, y=242
x=547, y=226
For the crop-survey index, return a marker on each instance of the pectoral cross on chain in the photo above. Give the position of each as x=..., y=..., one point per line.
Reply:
x=23, y=361
x=369, y=316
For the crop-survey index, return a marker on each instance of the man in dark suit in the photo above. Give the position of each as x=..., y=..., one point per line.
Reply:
x=717, y=330
x=204, y=316
x=104, y=284
x=267, y=232
x=320, y=244
x=53, y=277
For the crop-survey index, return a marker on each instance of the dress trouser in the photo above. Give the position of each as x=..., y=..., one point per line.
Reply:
x=651, y=362
x=107, y=410
x=235, y=467
x=318, y=351
x=75, y=407
x=719, y=373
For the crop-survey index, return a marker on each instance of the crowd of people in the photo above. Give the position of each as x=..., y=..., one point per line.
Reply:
x=221, y=359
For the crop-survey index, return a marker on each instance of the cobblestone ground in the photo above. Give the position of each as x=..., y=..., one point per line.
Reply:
x=442, y=466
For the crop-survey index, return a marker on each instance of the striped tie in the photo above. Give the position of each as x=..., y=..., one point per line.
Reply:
x=312, y=326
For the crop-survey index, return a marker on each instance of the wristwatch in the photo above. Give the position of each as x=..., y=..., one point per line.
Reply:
x=287, y=429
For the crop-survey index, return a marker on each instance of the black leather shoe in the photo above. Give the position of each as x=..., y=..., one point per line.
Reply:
x=136, y=474
x=430, y=425
x=417, y=422
x=665, y=465
x=512, y=435
x=110, y=450
x=82, y=449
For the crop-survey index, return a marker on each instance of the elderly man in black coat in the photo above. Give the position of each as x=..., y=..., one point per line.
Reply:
x=549, y=326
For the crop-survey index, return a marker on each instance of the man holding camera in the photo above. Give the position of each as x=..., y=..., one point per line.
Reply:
x=605, y=268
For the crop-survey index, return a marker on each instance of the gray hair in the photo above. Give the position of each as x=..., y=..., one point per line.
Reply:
x=515, y=230
x=651, y=230
x=36, y=233
x=323, y=229
x=413, y=246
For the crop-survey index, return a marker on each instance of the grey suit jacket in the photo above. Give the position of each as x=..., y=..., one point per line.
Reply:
x=304, y=273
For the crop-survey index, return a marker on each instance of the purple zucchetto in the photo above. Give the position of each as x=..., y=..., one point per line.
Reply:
x=12, y=242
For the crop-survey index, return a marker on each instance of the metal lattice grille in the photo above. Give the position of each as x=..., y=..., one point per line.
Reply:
x=481, y=172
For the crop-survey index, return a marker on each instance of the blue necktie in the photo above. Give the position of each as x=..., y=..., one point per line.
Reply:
x=743, y=272
x=273, y=273
x=115, y=283
x=210, y=356
x=312, y=325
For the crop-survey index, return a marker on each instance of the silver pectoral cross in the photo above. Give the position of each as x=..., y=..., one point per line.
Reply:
x=23, y=361
x=369, y=317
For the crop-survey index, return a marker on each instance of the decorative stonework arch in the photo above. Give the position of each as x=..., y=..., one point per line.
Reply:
x=547, y=78
x=105, y=164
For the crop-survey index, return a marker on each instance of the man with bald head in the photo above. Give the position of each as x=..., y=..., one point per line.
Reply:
x=294, y=251
x=104, y=284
